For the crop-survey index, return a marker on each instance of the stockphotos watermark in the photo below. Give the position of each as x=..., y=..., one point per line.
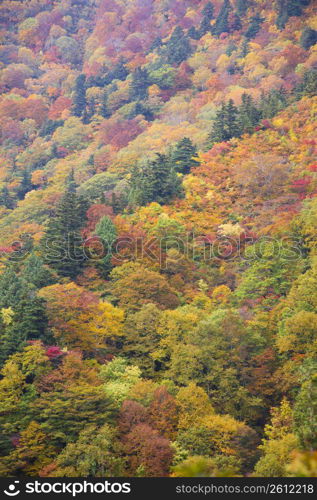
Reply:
x=70, y=488
x=161, y=250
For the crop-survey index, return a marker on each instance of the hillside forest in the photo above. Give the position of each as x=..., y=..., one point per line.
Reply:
x=158, y=238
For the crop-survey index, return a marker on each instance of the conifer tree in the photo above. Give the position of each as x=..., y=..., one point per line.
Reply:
x=80, y=96
x=62, y=245
x=25, y=186
x=178, y=47
x=226, y=124
x=106, y=230
x=249, y=115
x=155, y=181
x=254, y=26
x=6, y=199
x=222, y=22
x=308, y=38
x=183, y=156
x=139, y=85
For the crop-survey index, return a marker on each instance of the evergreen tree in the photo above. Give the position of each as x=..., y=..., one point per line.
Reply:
x=308, y=38
x=222, y=22
x=139, y=85
x=193, y=33
x=183, y=156
x=104, y=110
x=308, y=86
x=249, y=115
x=106, y=230
x=208, y=11
x=27, y=317
x=156, y=181
x=178, y=47
x=79, y=105
x=254, y=27
x=272, y=103
x=119, y=72
x=36, y=273
x=242, y=7
x=25, y=186
x=62, y=245
x=289, y=8
x=6, y=199
x=226, y=124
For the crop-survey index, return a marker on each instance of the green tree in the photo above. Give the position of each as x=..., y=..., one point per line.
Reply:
x=106, y=230
x=178, y=47
x=79, y=105
x=184, y=156
x=139, y=85
x=222, y=21
x=308, y=38
x=157, y=181
x=226, y=124
x=62, y=245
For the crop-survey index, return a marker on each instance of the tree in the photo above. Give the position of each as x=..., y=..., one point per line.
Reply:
x=178, y=47
x=25, y=185
x=79, y=105
x=142, y=338
x=278, y=444
x=308, y=38
x=106, y=231
x=6, y=199
x=222, y=21
x=31, y=454
x=142, y=287
x=249, y=115
x=36, y=273
x=96, y=453
x=147, y=452
x=208, y=11
x=184, y=156
x=155, y=181
x=226, y=125
x=305, y=409
x=62, y=245
x=254, y=26
x=139, y=85
x=163, y=413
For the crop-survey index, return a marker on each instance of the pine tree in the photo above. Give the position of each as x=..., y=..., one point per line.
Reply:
x=106, y=230
x=194, y=33
x=249, y=115
x=36, y=273
x=208, y=11
x=62, y=245
x=6, y=199
x=183, y=156
x=242, y=7
x=226, y=124
x=178, y=47
x=80, y=96
x=104, y=110
x=254, y=27
x=139, y=85
x=308, y=38
x=28, y=319
x=222, y=22
x=25, y=186
x=156, y=181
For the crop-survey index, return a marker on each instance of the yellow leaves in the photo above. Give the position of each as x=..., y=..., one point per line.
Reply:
x=193, y=404
x=7, y=315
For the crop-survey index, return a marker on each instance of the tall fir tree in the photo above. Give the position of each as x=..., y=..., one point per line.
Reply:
x=79, y=105
x=156, y=181
x=226, y=124
x=222, y=21
x=184, y=155
x=139, y=85
x=106, y=231
x=249, y=115
x=62, y=245
x=178, y=47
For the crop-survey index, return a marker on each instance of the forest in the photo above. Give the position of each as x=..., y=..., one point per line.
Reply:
x=158, y=238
